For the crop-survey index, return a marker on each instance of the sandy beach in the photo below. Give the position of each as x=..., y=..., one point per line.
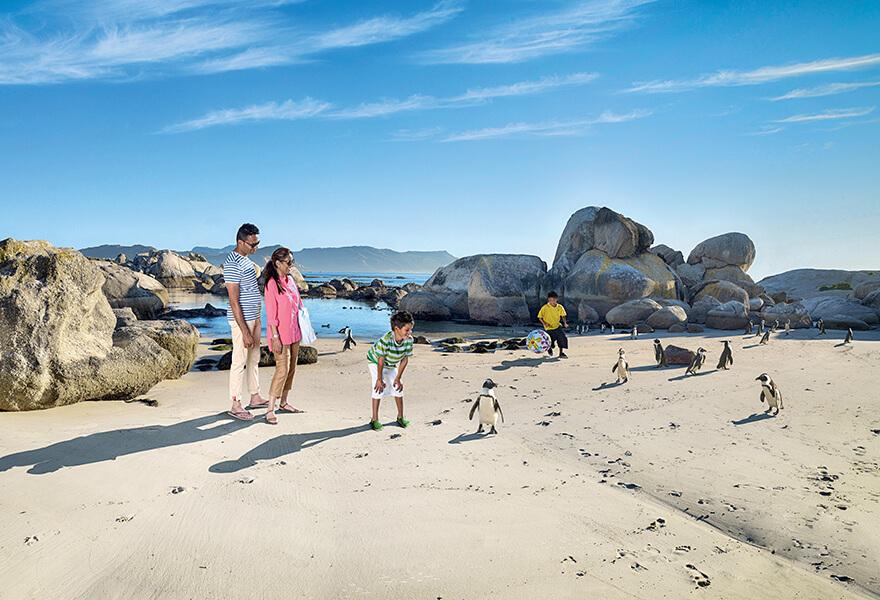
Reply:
x=665, y=487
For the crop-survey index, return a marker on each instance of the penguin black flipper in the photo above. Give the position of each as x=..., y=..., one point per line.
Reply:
x=614, y=367
x=474, y=409
x=498, y=408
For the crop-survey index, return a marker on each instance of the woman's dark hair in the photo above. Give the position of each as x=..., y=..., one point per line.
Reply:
x=245, y=231
x=401, y=318
x=270, y=272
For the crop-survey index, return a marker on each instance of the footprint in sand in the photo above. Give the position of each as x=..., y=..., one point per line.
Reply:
x=683, y=549
x=698, y=577
x=394, y=436
x=124, y=519
x=244, y=480
x=178, y=489
x=31, y=540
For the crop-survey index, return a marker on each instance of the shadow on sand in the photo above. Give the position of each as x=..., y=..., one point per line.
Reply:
x=467, y=437
x=607, y=385
x=524, y=362
x=282, y=446
x=754, y=418
x=110, y=445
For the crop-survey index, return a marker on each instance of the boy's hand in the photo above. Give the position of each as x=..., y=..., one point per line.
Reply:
x=380, y=386
x=398, y=384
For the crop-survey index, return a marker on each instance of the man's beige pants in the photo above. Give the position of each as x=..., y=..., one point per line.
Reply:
x=244, y=357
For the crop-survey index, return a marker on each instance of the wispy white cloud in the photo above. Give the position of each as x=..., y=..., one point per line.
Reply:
x=758, y=76
x=416, y=135
x=119, y=39
x=829, y=115
x=767, y=130
x=578, y=25
x=270, y=111
x=830, y=89
x=387, y=107
x=565, y=128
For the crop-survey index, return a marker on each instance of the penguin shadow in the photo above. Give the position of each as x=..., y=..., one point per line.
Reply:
x=524, y=362
x=841, y=345
x=647, y=368
x=754, y=418
x=686, y=376
x=607, y=385
x=752, y=346
x=468, y=437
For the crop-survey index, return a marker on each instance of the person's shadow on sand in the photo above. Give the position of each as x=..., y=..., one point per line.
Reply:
x=110, y=445
x=282, y=446
x=754, y=418
x=523, y=362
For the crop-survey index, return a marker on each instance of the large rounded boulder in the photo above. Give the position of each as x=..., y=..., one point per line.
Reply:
x=730, y=315
x=839, y=307
x=667, y=317
x=425, y=306
x=172, y=270
x=723, y=291
x=630, y=313
x=728, y=249
x=125, y=288
x=58, y=331
x=795, y=313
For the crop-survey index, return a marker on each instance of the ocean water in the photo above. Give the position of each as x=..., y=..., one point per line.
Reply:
x=366, y=321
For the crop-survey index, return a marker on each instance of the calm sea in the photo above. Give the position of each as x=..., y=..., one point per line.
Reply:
x=328, y=316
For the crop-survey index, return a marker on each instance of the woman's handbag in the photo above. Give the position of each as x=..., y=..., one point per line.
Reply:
x=309, y=336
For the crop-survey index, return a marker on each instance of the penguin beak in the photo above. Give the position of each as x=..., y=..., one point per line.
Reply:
x=758, y=378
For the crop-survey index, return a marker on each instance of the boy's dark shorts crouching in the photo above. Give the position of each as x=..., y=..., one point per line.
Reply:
x=558, y=338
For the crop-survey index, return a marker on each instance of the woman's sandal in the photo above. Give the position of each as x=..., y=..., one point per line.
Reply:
x=289, y=409
x=241, y=415
x=271, y=419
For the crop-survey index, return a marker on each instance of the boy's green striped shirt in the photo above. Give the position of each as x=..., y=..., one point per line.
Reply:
x=393, y=352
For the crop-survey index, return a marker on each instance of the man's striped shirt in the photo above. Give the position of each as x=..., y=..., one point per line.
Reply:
x=387, y=347
x=242, y=270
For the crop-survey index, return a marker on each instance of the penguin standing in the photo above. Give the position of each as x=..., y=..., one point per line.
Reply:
x=488, y=406
x=849, y=336
x=726, y=360
x=612, y=330
x=634, y=334
x=749, y=327
x=770, y=393
x=603, y=328
x=765, y=338
x=775, y=326
x=697, y=363
x=348, y=342
x=821, y=325
x=621, y=367
x=659, y=354
x=761, y=327
x=787, y=327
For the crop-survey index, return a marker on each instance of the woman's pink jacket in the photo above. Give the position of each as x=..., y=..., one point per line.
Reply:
x=282, y=309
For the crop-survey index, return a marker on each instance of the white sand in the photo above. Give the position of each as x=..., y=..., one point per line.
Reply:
x=320, y=507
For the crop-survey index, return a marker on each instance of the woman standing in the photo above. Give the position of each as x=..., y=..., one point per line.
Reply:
x=282, y=328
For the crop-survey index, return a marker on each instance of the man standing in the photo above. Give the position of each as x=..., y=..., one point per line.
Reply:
x=552, y=317
x=245, y=304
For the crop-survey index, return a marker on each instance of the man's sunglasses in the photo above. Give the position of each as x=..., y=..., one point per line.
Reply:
x=254, y=245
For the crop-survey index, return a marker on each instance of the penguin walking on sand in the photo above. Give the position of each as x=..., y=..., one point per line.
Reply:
x=775, y=326
x=770, y=393
x=726, y=360
x=821, y=325
x=849, y=336
x=659, y=354
x=749, y=328
x=764, y=338
x=697, y=363
x=621, y=367
x=488, y=406
x=348, y=342
x=787, y=327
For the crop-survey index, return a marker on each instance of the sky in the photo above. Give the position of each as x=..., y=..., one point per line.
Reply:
x=472, y=126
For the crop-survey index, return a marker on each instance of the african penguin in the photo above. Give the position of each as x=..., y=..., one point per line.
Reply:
x=488, y=406
x=726, y=360
x=775, y=326
x=787, y=327
x=770, y=393
x=697, y=363
x=761, y=327
x=603, y=327
x=765, y=338
x=348, y=342
x=749, y=327
x=849, y=336
x=821, y=325
x=659, y=354
x=634, y=334
x=621, y=367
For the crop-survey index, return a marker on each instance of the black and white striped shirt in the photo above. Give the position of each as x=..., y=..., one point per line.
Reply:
x=242, y=270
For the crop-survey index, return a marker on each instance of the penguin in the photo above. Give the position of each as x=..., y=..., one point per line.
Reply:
x=697, y=363
x=761, y=327
x=612, y=330
x=603, y=328
x=787, y=327
x=821, y=325
x=765, y=338
x=775, y=326
x=770, y=393
x=634, y=334
x=621, y=367
x=849, y=336
x=749, y=327
x=348, y=342
x=726, y=360
x=489, y=408
x=659, y=354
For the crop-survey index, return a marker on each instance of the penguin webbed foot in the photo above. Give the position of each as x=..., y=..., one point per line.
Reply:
x=493, y=431
x=480, y=429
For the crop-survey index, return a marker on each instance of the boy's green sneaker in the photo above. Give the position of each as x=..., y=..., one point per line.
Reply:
x=403, y=422
x=376, y=425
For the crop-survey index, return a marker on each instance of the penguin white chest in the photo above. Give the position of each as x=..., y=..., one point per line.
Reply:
x=487, y=410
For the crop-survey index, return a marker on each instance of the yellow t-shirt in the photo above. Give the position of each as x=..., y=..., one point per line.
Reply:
x=551, y=316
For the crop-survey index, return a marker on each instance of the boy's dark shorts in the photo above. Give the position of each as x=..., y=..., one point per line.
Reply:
x=558, y=337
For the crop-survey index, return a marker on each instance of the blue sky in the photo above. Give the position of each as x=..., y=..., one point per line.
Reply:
x=471, y=126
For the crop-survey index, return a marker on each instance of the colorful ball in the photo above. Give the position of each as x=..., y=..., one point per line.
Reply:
x=538, y=341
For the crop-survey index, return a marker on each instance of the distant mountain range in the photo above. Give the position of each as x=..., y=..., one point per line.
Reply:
x=348, y=259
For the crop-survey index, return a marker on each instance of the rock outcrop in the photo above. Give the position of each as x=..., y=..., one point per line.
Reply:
x=126, y=288
x=728, y=249
x=809, y=283
x=730, y=315
x=60, y=340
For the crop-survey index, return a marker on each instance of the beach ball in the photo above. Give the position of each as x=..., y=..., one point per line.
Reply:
x=538, y=341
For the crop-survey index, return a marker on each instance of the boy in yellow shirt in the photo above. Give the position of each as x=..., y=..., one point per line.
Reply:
x=552, y=317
